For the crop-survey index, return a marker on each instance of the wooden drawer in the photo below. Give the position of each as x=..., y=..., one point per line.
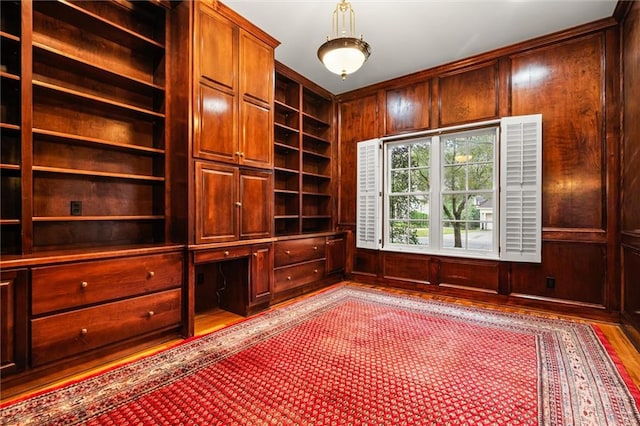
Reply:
x=58, y=336
x=221, y=254
x=55, y=288
x=301, y=250
x=298, y=275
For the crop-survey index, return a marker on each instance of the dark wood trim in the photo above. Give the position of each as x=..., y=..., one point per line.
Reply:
x=623, y=7
x=631, y=329
x=75, y=255
x=26, y=112
x=612, y=163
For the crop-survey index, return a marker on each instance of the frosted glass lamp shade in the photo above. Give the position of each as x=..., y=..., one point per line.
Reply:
x=344, y=55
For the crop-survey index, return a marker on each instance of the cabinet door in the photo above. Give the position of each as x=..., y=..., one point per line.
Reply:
x=256, y=205
x=260, y=281
x=216, y=138
x=256, y=69
x=217, y=49
x=256, y=147
x=216, y=195
x=256, y=102
x=336, y=254
x=13, y=321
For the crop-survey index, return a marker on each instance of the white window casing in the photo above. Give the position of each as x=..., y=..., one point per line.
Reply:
x=519, y=214
x=368, y=194
x=521, y=189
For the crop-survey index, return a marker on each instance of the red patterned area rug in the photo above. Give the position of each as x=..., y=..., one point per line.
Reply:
x=352, y=356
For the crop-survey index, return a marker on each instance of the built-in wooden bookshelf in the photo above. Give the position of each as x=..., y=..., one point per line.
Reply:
x=303, y=146
x=10, y=127
x=97, y=166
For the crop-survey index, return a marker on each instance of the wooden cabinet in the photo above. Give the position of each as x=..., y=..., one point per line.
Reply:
x=13, y=321
x=234, y=92
x=222, y=173
x=82, y=306
x=302, y=263
x=231, y=203
x=238, y=278
x=336, y=253
x=303, y=153
x=84, y=162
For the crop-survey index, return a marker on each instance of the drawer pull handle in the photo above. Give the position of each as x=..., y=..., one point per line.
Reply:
x=238, y=203
x=151, y=274
x=151, y=313
x=84, y=284
x=288, y=251
x=289, y=278
x=315, y=247
x=315, y=271
x=255, y=254
x=226, y=253
x=83, y=331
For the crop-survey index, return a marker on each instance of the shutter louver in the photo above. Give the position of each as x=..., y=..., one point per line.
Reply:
x=368, y=194
x=520, y=192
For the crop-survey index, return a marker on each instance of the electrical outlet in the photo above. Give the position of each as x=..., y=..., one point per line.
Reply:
x=551, y=282
x=76, y=208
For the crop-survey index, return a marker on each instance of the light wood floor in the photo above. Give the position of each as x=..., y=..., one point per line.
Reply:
x=216, y=319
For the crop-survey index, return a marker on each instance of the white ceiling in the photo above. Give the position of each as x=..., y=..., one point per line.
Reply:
x=410, y=35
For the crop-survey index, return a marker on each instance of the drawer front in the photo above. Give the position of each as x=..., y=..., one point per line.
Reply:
x=298, y=275
x=58, y=336
x=302, y=250
x=68, y=286
x=221, y=254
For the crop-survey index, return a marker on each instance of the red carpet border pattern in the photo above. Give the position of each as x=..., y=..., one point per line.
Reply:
x=354, y=356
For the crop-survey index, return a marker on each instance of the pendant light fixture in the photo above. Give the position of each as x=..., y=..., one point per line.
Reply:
x=343, y=53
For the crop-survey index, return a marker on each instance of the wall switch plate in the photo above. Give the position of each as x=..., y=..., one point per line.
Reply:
x=76, y=208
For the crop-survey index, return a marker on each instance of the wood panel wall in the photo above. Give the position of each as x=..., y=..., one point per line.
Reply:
x=572, y=79
x=630, y=211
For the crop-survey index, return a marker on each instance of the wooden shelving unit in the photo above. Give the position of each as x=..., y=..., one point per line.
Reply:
x=97, y=170
x=10, y=128
x=303, y=148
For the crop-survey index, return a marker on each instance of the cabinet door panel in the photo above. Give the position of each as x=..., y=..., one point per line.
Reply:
x=13, y=321
x=256, y=68
x=256, y=212
x=261, y=265
x=215, y=203
x=336, y=254
x=217, y=49
x=216, y=137
x=256, y=137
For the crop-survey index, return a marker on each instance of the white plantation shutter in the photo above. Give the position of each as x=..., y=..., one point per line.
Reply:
x=521, y=188
x=368, y=195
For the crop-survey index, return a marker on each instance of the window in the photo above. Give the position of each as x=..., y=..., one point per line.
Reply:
x=440, y=191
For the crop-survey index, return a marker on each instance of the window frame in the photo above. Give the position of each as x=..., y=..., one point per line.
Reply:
x=520, y=189
x=436, y=194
